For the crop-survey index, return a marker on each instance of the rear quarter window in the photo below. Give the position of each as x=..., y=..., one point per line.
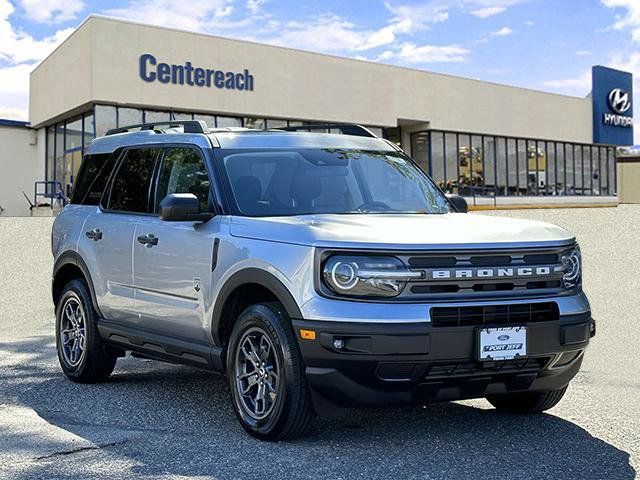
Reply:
x=92, y=178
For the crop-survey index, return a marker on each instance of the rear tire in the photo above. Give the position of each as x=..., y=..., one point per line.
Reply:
x=528, y=402
x=266, y=375
x=82, y=354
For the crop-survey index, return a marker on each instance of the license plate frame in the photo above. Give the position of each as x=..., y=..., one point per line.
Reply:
x=492, y=346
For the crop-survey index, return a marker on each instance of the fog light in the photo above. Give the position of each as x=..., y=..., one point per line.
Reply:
x=338, y=343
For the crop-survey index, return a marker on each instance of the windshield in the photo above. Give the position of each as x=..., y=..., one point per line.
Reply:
x=338, y=181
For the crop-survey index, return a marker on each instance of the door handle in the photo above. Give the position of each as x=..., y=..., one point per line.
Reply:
x=94, y=234
x=149, y=240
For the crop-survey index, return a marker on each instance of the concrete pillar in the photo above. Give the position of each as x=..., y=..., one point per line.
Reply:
x=628, y=165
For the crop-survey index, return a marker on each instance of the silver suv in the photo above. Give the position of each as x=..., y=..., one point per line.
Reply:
x=317, y=270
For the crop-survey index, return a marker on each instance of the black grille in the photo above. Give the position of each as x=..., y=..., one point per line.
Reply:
x=466, y=369
x=484, y=274
x=514, y=314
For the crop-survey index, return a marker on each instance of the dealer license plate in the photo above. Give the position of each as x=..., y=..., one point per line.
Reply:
x=502, y=343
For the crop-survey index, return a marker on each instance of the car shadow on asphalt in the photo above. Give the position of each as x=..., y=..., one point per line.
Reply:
x=175, y=420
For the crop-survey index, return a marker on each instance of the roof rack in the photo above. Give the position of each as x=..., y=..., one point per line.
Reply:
x=345, y=129
x=188, y=126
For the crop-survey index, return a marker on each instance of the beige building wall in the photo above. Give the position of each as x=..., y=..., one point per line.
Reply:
x=629, y=179
x=21, y=164
x=99, y=63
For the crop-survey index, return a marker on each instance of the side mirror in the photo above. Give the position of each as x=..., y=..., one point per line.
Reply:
x=182, y=207
x=459, y=203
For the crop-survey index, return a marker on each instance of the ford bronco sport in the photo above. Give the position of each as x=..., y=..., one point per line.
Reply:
x=315, y=269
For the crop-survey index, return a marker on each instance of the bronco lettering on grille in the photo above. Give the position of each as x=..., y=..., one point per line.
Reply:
x=486, y=273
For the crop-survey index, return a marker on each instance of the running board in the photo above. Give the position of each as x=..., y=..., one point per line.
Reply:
x=161, y=347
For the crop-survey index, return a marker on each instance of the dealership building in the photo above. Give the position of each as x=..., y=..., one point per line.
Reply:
x=475, y=138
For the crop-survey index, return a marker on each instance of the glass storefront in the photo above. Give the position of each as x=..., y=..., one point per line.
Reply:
x=489, y=165
x=463, y=163
x=66, y=141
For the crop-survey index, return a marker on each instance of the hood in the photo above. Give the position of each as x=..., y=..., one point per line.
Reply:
x=410, y=231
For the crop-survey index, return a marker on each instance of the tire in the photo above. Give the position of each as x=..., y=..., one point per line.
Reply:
x=529, y=402
x=285, y=411
x=96, y=361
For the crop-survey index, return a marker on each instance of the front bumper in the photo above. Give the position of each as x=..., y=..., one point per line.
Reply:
x=389, y=363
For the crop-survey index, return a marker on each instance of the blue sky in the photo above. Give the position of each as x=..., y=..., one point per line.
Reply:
x=541, y=44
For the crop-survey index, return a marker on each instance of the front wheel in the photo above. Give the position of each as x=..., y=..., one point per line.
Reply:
x=83, y=356
x=527, y=402
x=266, y=375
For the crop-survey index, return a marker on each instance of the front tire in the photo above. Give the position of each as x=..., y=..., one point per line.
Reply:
x=266, y=375
x=82, y=354
x=528, y=402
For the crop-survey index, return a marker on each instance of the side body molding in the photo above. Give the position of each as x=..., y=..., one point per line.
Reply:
x=252, y=276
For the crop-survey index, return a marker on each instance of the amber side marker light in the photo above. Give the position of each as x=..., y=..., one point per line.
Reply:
x=307, y=334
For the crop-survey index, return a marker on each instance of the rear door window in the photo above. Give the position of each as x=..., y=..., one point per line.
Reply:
x=132, y=181
x=92, y=178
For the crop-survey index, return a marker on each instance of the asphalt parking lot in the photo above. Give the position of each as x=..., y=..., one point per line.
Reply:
x=154, y=420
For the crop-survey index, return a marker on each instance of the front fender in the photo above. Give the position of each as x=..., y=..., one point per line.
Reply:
x=247, y=276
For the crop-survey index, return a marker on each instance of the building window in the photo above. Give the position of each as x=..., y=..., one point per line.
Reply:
x=224, y=122
x=251, y=122
x=129, y=116
x=87, y=130
x=274, y=123
x=152, y=116
x=420, y=149
x=51, y=156
x=210, y=120
x=377, y=131
x=105, y=118
x=487, y=165
x=181, y=116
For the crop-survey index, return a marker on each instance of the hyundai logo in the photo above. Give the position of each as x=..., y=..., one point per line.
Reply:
x=502, y=338
x=619, y=100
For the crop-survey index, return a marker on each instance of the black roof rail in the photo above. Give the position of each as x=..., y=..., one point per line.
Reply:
x=189, y=126
x=345, y=129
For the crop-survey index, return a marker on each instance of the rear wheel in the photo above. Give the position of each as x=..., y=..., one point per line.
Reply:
x=82, y=354
x=266, y=375
x=527, y=402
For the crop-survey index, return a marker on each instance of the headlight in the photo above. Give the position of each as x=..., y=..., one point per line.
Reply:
x=572, y=268
x=366, y=276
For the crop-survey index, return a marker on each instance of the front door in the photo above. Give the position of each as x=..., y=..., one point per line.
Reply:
x=173, y=260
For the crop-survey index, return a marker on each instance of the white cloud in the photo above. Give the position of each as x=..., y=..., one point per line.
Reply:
x=175, y=14
x=630, y=61
x=488, y=11
x=327, y=33
x=19, y=54
x=583, y=53
x=529, y=23
x=411, y=18
x=14, y=91
x=578, y=86
x=503, y=32
x=12, y=113
x=254, y=6
x=51, y=11
x=631, y=18
x=17, y=46
x=334, y=34
x=412, y=54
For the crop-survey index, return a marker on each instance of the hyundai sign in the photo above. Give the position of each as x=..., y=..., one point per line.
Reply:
x=612, y=97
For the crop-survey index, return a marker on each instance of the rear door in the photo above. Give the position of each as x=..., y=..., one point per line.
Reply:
x=108, y=233
x=173, y=273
